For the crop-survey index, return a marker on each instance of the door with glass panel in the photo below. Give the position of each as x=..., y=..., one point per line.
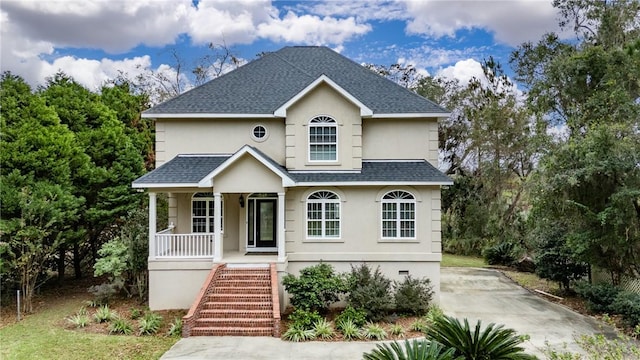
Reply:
x=261, y=223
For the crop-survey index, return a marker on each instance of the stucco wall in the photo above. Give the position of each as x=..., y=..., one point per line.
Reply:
x=175, y=284
x=323, y=100
x=216, y=136
x=400, y=139
x=360, y=223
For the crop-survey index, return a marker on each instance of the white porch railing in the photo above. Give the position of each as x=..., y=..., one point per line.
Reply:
x=169, y=245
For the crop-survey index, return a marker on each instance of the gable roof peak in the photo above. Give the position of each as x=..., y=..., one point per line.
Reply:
x=264, y=85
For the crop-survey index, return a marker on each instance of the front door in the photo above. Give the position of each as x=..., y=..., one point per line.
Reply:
x=262, y=223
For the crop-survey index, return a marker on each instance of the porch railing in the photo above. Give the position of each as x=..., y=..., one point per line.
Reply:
x=169, y=245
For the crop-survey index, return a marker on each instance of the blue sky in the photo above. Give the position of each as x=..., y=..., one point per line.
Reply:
x=95, y=40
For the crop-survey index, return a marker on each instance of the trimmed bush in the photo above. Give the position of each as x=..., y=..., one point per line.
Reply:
x=369, y=290
x=600, y=297
x=317, y=287
x=303, y=319
x=358, y=316
x=413, y=296
x=627, y=304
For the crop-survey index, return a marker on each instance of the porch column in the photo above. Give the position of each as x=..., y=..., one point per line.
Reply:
x=152, y=225
x=281, y=228
x=217, y=233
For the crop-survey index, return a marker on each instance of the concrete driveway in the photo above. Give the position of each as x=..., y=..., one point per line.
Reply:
x=488, y=295
x=477, y=294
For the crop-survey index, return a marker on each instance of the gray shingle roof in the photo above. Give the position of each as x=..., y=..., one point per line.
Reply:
x=265, y=84
x=182, y=169
x=380, y=171
x=190, y=169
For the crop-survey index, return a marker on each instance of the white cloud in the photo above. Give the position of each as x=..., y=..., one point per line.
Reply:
x=32, y=31
x=114, y=26
x=311, y=29
x=512, y=22
x=463, y=71
x=94, y=73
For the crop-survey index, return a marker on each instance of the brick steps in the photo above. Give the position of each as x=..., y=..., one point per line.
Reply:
x=237, y=302
x=232, y=331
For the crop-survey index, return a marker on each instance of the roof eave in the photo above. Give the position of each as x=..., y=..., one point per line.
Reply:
x=205, y=116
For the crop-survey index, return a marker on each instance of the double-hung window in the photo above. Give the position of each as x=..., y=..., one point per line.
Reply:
x=398, y=215
x=202, y=213
x=323, y=139
x=323, y=215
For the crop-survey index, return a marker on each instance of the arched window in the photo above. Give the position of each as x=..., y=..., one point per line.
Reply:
x=202, y=213
x=398, y=215
x=323, y=215
x=323, y=139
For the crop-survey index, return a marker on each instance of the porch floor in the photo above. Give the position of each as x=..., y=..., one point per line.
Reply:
x=236, y=257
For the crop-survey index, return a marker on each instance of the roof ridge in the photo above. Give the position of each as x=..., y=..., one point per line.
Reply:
x=292, y=64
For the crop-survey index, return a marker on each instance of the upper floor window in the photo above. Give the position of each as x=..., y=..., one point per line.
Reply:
x=323, y=139
x=398, y=215
x=202, y=213
x=323, y=215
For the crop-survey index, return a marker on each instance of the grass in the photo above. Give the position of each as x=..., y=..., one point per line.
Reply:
x=43, y=336
x=532, y=281
x=449, y=260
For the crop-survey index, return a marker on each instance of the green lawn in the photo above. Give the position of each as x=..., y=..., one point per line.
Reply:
x=42, y=336
x=449, y=260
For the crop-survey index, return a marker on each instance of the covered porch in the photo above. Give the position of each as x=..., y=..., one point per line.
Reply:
x=251, y=230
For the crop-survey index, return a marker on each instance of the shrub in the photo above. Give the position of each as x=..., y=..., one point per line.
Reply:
x=81, y=319
x=349, y=330
x=374, y=332
x=304, y=319
x=419, y=325
x=358, y=316
x=412, y=350
x=149, y=324
x=434, y=313
x=370, y=291
x=104, y=314
x=500, y=254
x=176, y=328
x=103, y=293
x=121, y=326
x=413, y=296
x=323, y=329
x=599, y=297
x=493, y=342
x=136, y=313
x=316, y=288
x=396, y=330
x=627, y=304
x=296, y=334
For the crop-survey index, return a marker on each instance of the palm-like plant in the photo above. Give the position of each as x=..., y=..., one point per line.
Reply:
x=412, y=350
x=493, y=342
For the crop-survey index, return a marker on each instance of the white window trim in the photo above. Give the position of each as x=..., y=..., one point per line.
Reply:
x=266, y=133
x=327, y=124
x=207, y=199
x=323, y=220
x=398, y=220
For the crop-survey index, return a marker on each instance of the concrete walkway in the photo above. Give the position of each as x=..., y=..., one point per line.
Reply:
x=477, y=294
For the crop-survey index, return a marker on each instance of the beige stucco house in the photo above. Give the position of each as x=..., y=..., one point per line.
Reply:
x=298, y=157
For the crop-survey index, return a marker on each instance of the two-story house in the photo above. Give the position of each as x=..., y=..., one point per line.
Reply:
x=299, y=157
